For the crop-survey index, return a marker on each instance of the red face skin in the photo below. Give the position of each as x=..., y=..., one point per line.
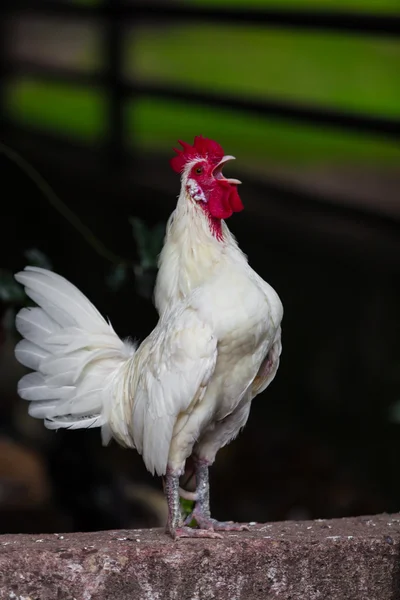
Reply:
x=215, y=194
x=222, y=198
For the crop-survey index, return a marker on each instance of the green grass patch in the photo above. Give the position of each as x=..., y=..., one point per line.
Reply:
x=373, y=6
x=256, y=142
x=56, y=107
x=376, y=6
x=352, y=73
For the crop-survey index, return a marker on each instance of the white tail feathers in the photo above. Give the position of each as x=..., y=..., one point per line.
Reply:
x=72, y=350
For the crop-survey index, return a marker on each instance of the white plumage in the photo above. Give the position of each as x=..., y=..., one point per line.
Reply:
x=71, y=348
x=187, y=388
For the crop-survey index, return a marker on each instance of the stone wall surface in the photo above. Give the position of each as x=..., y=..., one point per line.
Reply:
x=343, y=559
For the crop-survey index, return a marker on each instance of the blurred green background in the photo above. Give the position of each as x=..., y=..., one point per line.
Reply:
x=354, y=73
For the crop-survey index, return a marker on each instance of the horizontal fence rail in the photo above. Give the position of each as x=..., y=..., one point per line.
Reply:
x=335, y=21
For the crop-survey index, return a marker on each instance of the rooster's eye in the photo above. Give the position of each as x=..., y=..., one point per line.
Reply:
x=199, y=170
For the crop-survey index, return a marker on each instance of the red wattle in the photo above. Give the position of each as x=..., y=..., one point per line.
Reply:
x=224, y=200
x=235, y=201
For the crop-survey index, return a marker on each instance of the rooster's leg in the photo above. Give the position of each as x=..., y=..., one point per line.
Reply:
x=175, y=526
x=201, y=512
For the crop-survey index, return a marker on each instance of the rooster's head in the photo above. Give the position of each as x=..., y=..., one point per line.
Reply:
x=201, y=167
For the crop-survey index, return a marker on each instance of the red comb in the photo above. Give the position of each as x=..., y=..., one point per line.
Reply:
x=202, y=148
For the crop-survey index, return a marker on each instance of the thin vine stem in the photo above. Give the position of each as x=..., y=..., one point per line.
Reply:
x=56, y=202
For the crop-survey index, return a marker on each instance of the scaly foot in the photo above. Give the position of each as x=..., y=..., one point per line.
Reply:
x=190, y=532
x=228, y=526
x=207, y=523
x=201, y=512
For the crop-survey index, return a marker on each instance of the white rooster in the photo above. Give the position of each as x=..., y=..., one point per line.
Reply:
x=187, y=389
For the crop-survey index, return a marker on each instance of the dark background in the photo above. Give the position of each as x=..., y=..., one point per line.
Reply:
x=309, y=104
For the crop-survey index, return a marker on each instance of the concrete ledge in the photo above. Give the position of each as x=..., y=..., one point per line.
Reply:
x=344, y=559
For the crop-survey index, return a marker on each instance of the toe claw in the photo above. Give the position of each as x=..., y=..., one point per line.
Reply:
x=228, y=526
x=189, y=532
x=205, y=522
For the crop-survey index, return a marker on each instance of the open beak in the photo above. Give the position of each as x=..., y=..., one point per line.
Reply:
x=217, y=172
